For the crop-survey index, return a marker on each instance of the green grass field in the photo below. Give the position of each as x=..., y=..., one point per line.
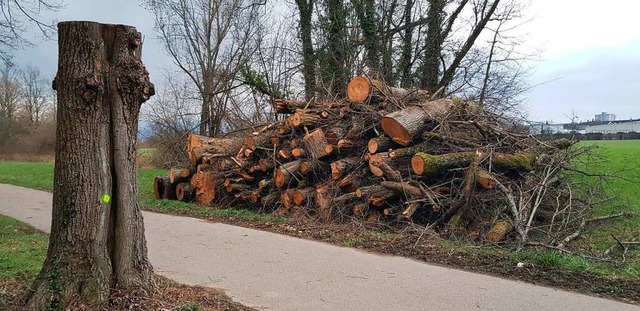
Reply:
x=22, y=249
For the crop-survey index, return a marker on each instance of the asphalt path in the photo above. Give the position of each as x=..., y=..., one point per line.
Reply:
x=275, y=272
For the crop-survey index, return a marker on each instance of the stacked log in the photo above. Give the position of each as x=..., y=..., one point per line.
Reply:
x=383, y=154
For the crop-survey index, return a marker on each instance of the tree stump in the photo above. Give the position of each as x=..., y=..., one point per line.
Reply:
x=97, y=237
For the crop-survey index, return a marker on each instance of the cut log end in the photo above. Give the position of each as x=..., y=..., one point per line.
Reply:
x=396, y=131
x=359, y=89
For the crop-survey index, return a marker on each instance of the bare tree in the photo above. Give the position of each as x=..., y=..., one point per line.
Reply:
x=209, y=41
x=35, y=99
x=17, y=14
x=9, y=94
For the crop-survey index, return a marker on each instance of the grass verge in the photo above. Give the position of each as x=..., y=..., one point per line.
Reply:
x=23, y=250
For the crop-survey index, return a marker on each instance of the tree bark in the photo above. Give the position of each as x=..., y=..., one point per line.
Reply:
x=97, y=237
x=365, y=90
x=426, y=164
x=404, y=125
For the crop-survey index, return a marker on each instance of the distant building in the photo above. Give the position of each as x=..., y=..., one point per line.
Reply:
x=615, y=127
x=605, y=117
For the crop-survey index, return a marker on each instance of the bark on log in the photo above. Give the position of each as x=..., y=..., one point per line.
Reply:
x=499, y=230
x=185, y=192
x=303, y=196
x=179, y=175
x=341, y=167
x=365, y=90
x=287, y=174
x=324, y=198
x=206, y=184
x=379, y=167
x=315, y=144
x=380, y=144
x=404, y=125
x=270, y=201
x=266, y=165
x=158, y=187
x=200, y=146
x=285, y=106
x=409, y=211
x=304, y=119
x=299, y=153
x=485, y=180
x=426, y=164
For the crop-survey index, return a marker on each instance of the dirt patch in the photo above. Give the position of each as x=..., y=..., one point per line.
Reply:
x=170, y=296
x=402, y=242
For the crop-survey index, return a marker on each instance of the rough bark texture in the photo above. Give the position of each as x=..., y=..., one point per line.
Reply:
x=97, y=237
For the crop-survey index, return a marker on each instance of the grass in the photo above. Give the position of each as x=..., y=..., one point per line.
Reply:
x=22, y=249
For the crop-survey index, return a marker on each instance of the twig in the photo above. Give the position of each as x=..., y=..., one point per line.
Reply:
x=606, y=217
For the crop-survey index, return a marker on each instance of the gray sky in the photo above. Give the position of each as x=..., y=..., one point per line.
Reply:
x=590, y=60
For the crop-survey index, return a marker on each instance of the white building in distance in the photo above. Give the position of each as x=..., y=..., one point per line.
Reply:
x=605, y=117
x=615, y=127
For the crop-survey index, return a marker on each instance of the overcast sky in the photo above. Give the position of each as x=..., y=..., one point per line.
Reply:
x=590, y=60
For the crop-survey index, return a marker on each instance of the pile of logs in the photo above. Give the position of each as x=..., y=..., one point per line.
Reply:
x=382, y=154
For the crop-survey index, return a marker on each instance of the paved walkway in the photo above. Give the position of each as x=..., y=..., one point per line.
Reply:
x=275, y=272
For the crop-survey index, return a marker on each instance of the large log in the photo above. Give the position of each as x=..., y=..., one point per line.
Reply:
x=206, y=184
x=199, y=146
x=426, y=164
x=159, y=183
x=365, y=90
x=185, y=192
x=303, y=196
x=287, y=174
x=303, y=118
x=315, y=144
x=406, y=124
x=179, y=175
x=285, y=106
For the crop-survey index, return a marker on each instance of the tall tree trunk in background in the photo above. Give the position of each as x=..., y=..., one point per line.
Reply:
x=404, y=65
x=97, y=237
x=485, y=17
x=366, y=12
x=387, y=44
x=337, y=73
x=433, y=46
x=305, y=9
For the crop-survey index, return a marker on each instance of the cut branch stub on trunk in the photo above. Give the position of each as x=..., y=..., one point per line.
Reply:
x=426, y=164
x=363, y=90
x=406, y=124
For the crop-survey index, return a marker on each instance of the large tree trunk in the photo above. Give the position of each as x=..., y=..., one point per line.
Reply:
x=97, y=237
